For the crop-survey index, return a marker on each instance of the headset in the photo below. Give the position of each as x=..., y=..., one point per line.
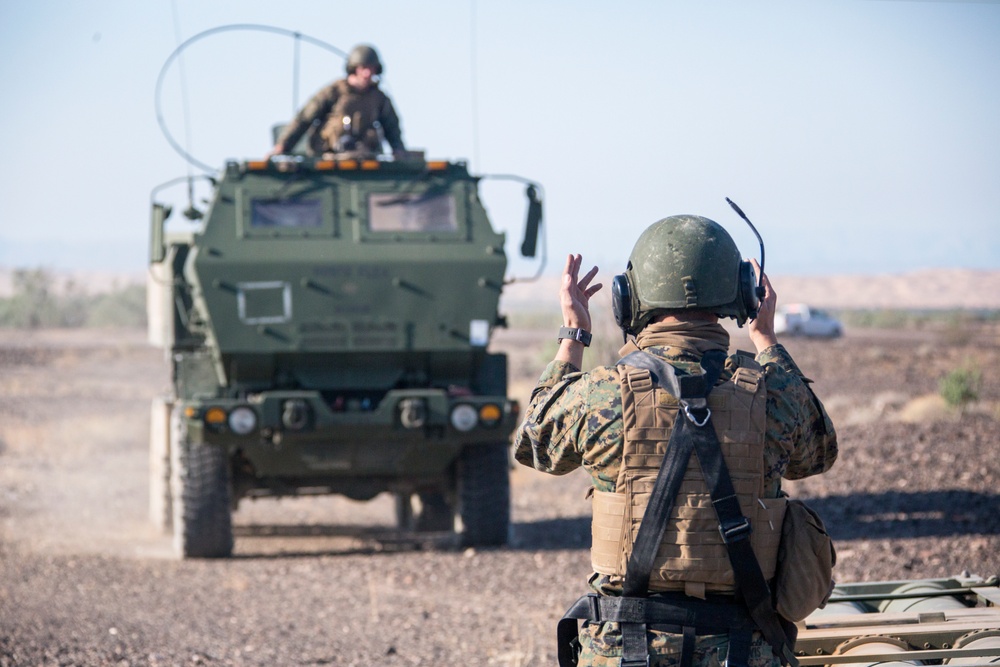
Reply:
x=625, y=305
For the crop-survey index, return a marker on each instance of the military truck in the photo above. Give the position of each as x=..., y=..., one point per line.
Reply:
x=327, y=330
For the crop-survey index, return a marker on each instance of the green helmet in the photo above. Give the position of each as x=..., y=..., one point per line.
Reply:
x=364, y=55
x=684, y=262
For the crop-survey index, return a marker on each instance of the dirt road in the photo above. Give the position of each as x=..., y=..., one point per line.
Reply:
x=85, y=580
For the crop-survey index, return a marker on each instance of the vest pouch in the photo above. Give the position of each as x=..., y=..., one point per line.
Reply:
x=804, y=577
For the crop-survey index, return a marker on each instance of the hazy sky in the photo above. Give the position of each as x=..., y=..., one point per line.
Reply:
x=860, y=136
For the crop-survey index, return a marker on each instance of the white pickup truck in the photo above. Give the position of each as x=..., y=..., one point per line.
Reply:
x=798, y=319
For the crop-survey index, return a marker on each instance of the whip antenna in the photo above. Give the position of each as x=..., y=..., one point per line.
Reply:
x=760, y=279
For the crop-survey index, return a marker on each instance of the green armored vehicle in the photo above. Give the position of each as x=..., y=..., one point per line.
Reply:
x=328, y=330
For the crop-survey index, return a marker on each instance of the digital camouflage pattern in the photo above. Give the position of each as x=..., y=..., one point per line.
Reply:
x=574, y=420
x=331, y=104
x=602, y=647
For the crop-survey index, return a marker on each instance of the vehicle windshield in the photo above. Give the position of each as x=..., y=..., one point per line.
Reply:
x=395, y=212
x=290, y=213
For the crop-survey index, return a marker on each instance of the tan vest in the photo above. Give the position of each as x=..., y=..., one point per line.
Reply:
x=692, y=556
x=363, y=108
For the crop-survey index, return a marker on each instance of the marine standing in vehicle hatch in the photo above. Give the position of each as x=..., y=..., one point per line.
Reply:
x=351, y=115
x=684, y=273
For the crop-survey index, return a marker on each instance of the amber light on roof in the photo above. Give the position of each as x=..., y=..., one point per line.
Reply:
x=369, y=165
x=257, y=165
x=437, y=165
x=347, y=164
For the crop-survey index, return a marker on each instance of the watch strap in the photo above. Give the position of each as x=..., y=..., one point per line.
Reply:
x=579, y=335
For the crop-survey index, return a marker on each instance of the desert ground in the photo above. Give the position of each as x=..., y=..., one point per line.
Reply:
x=86, y=580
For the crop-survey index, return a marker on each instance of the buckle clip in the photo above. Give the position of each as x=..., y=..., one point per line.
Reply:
x=737, y=532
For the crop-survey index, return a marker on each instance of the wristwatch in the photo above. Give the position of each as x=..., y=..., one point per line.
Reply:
x=579, y=335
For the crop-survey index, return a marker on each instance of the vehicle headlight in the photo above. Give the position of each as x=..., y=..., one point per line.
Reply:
x=490, y=414
x=242, y=420
x=464, y=417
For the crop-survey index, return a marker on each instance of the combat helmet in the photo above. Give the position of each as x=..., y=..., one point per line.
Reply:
x=684, y=262
x=364, y=55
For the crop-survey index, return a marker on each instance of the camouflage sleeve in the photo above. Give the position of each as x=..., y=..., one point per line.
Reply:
x=390, y=126
x=545, y=440
x=574, y=420
x=316, y=108
x=800, y=435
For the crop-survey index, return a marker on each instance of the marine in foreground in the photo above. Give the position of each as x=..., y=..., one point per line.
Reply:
x=685, y=548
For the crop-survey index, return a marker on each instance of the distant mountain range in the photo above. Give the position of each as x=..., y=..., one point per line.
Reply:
x=932, y=289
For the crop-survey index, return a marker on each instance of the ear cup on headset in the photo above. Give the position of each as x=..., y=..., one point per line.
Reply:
x=621, y=301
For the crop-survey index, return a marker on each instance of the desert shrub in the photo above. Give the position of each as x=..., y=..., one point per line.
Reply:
x=961, y=386
x=33, y=303
x=36, y=303
x=875, y=319
x=954, y=321
x=123, y=308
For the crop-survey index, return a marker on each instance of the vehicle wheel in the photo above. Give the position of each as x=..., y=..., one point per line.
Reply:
x=200, y=489
x=404, y=511
x=160, y=511
x=484, y=494
x=433, y=513
x=436, y=513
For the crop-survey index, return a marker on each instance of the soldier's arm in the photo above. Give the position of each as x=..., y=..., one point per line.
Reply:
x=797, y=422
x=391, y=126
x=317, y=107
x=800, y=436
x=546, y=438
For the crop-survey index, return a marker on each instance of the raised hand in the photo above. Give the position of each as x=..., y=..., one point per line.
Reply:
x=761, y=329
x=575, y=293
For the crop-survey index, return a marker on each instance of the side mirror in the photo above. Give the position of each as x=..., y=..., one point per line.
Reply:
x=157, y=250
x=534, y=220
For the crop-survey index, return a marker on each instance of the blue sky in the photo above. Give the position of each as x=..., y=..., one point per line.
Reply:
x=860, y=136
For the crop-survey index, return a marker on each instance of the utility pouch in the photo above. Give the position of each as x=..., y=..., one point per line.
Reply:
x=804, y=577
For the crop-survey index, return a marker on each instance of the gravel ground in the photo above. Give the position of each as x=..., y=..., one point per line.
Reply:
x=84, y=580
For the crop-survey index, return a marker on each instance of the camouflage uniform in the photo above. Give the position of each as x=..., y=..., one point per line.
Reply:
x=330, y=105
x=574, y=420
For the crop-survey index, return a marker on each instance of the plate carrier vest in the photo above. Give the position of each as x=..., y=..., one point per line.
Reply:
x=681, y=533
x=692, y=556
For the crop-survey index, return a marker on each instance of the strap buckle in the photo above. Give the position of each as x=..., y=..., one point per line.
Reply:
x=735, y=532
x=635, y=663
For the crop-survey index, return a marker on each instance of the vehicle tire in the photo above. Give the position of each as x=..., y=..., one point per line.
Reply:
x=484, y=494
x=160, y=510
x=404, y=511
x=436, y=513
x=200, y=487
x=433, y=513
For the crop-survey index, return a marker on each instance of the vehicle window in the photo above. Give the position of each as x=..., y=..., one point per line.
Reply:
x=290, y=213
x=395, y=212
